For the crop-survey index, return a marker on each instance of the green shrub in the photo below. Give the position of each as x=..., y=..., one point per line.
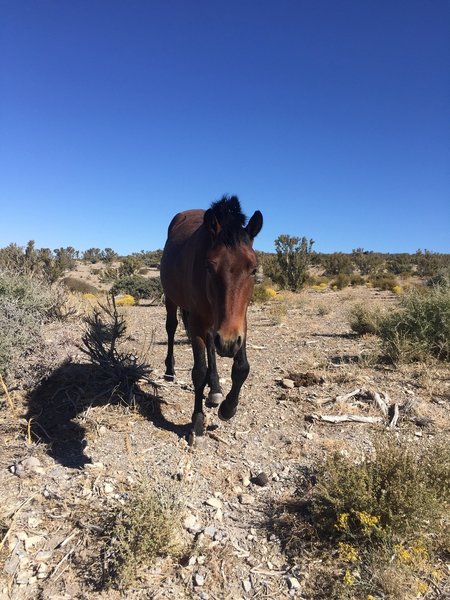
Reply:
x=130, y=265
x=341, y=281
x=357, y=280
x=144, y=528
x=360, y=519
x=338, y=264
x=383, y=281
x=139, y=287
x=293, y=256
x=420, y=327
x=78, y=285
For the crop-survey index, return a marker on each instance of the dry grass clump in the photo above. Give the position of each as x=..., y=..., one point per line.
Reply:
x=387, y=513
x=263, y=293
x=78, y=285
x=136, y=533
x=364, y=320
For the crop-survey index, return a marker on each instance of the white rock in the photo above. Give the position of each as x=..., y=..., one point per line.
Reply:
x=31, y=462
x=214, y=502
x=190, y=522
x=219, y=515
x=32, y=541
x=247, y=585
x=108, y=488
x=44, y=555
x=199, y=580
x=287, y=383
x=246, y=499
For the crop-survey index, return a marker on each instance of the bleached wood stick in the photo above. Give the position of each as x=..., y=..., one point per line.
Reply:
x=349, y=418
x=394, y=419
x=350, y=394
x=380, y=403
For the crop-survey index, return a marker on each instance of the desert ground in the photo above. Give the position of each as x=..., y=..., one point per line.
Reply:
x=57, y=492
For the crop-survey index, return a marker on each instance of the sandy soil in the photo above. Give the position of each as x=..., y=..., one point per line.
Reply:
x=101, y=450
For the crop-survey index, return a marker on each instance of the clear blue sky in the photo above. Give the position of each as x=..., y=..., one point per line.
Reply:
x=330, y=116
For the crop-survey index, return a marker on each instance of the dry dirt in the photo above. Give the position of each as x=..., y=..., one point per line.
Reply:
x=57, y=498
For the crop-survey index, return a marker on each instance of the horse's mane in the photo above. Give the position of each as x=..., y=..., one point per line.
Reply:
x=228, y=212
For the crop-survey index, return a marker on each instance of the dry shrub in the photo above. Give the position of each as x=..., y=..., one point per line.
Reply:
x=136, y=533
x=365, y=320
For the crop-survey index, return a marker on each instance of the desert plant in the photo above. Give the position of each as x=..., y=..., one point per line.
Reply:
x=78, y=285
x=383, y=281
x=105, y=331
x=365, y=320
x=25, y=303
x=341, y=282
x=420, y=327
x=139, y=287
x=338, y=263
x=262, y=293
x=292, y=258
x=390, y=508
x=92, y=255
x=129, y=266
x=138, y=531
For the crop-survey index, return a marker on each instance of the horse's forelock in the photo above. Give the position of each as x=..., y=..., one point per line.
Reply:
x=229, y=214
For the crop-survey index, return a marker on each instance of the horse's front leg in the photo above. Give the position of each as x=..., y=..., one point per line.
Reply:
x=215, y=396
x=199, y=378
x=239, y=374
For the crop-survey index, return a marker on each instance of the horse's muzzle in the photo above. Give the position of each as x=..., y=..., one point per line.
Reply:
x=227, y=348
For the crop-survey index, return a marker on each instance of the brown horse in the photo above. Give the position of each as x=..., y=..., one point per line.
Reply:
x=208, y=269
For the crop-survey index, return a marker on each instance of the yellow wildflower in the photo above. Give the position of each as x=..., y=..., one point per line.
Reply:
x=348, y=552
x=349, y=579
x=342, y=521
x=368, y=522
x=402, y=553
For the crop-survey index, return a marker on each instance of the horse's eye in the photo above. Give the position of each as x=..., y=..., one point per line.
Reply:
x=253, y=273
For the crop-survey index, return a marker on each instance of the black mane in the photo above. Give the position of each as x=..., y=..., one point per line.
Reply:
x=232, y=220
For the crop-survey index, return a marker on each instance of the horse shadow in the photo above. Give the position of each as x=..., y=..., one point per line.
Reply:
x=56, y=405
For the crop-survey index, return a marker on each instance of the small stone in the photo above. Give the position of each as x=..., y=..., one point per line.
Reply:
x=210, y=531
x=21, y=535
x=199, y=579
x=308, y=435
x=219, y=515
x=44, y=555
x=246, y=499
x=31, y=462
x=287, y=383
x=275, y=477
x=246, y=481
x=201, y=559
x=214, y=502
x=94, y=465
x=247, y=585
x=23, y=577
x=108, y=488
x=261, y=479
x=293, y=583
x=190, y=522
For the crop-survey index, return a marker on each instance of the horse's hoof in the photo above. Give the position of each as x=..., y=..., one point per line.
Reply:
x=168, y=377
x=214, y=399
x=196, y=441
x=226, y=413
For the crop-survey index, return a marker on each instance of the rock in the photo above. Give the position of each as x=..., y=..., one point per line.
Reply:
x=191, y=523
x=23, y=577
x=44, y=555
x=31, y=462
x=210, y=531
x=108, y=488
x=199, y=579
x=287, y=383
x=246, y=481
x=293, y=583
x=219, y=515
x=201, y=559
x=261, y=479
x=214, y=502
x=246, y=499
x=247, y=585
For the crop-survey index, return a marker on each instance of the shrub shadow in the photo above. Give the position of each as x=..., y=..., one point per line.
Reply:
x=55, y=405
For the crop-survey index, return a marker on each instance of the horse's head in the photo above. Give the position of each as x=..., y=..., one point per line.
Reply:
x=230, y=273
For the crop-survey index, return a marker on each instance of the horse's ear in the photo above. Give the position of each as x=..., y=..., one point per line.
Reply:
x=255, y=224
x=211, y=223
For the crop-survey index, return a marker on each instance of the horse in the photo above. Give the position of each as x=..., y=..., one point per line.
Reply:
x=207, y=270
